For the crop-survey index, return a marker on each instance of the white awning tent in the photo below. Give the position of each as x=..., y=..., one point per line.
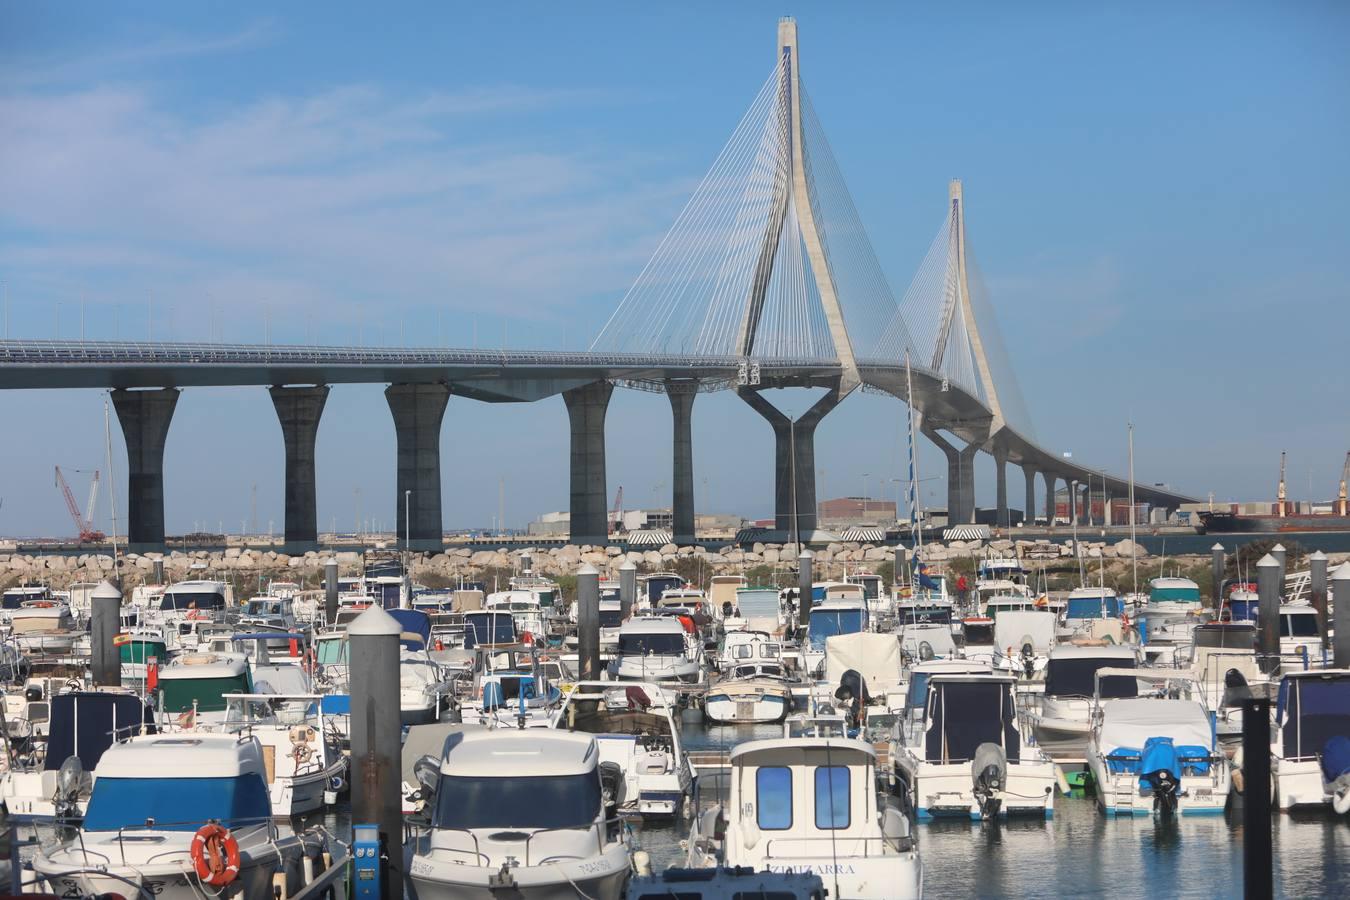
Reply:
x=1016, y=627
x=966, y=533
x=876, y=657
x=863, y=534
x=1129, y=723
x=649, y=538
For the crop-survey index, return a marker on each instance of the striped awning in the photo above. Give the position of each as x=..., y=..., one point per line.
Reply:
x=650, y=538
x=864, y=534
x=966, y=533
x=749, y=535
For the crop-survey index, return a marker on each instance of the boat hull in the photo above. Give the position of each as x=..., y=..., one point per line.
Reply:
x=1229, y=523
x=602, y=877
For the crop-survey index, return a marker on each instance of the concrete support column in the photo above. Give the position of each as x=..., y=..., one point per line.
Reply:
x=1001, y=491
x=1268, y=613
x=794, y=460
x=1087, y=505
x=1051, y=506
x=418, y=411
x=681, y=394
x=1073, y=503
x=1029, y=512
x=298, y=410
x=586, y=408
x=1317, y=587
x=960, y=479
x=145, y=417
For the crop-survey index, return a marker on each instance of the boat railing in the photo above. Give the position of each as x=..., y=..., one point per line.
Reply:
x=609, y=826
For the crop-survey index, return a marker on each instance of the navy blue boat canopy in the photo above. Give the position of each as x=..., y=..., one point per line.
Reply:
x=83, y=724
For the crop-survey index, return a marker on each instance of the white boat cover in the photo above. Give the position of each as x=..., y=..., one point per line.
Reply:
x=876, y=657
x=1129, y=723
x=1015, y=626
x=937, y=637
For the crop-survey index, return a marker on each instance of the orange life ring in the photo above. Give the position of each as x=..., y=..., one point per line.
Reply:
x=215, y=855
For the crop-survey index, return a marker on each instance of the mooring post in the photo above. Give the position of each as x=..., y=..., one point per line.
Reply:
x=588, y=623
x=330, y=589
x=1317, y=588
x=898, y=567
x=1340, y=590
x=1258, y=871
x=1268, y=596
x=158, y=568
x=627, y=588
x=804, y=582
x=105, y=621
x=1216, y=566
x=1281, y=557
x=376, y=736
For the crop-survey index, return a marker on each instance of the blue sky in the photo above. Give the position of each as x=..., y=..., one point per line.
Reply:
x=1156, y=197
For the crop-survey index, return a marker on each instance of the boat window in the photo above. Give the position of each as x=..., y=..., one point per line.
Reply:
x=611, y=618
x=176, y=804
x=1075, y=677
x=1175, y=594
x=773, y=797
x=557, y=801
x=332, y=652
x=191, y=600
x=741, y=651
x=1299, y=625
x=927, y=615
x=489, y=628
x=979, y=633
x=1093, y=608
x=826, y=623
x=832, y=804
x=661, y=644
x=179, y=693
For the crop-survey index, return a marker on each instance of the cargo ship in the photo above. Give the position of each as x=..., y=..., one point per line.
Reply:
x=1282, y=518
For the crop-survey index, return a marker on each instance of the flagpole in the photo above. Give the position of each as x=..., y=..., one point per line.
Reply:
x=916, y=528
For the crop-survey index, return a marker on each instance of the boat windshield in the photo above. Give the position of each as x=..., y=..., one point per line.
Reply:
x=557, y=801
x=1299, y=625
x=979, y=632
x=611, y=618
x=659, y=644
x=191, y=600
x=826, y=623
x=489, y=628
x=179, y=693
x=1075, y=677
x=176, y=804
x=331, y=652
x=1093, y=608
x=1175, y=594
x=926, y=615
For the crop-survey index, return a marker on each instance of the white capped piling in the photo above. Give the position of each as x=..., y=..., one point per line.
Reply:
x=1268, y=594
x=1317, y=588
x=330, y=589
x=1216, y=561
x=1340, y=610
x=588, y=622
x=158, y=568
x=804, y=582
x=106, y=665
x=376, y=735
x=1281, y=557
x=627, y=588
x=526, y=563
x=898, y=566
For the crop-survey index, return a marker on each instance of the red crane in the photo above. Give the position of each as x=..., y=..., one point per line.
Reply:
x=616, y=517
x=85, y=527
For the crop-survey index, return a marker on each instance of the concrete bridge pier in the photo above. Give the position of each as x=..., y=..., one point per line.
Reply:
x=1073, y=502
x=418, y=411
x=586, y=408
x=144, y=417
x=682, y=394
x=1029, y=515
x=960, y=479
x=1001, y=518
x=298, y=411
x=794, y=460
x=1051, y=507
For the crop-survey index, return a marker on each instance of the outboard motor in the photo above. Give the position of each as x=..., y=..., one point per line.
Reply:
x=926, y=651
x=1160, y=769
x=852, y=692
x=611, y=788
x=1028, y=657
x=1235, y=689
x=70, y=781
x=989, y=776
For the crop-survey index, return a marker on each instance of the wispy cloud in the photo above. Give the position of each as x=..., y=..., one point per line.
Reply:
x=131, y=54
x=334, y=199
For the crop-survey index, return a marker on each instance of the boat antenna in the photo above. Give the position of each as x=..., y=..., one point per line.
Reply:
x=1134, y=548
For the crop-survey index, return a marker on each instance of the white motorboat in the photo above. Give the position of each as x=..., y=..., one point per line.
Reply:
x=44, y=627
x=1095, y=613
x=150, y=799
x=830, y=617
x=811, y=805
x=749, y=693
x=726, y=884
x=1300, y=634
x=966, y=755
x=637, y=728
x=1156, y=751
x=1062, y=725
x=657, y=648
x=1227, y=670
x=192, y=600
x=1310, y=759
x=305, y=764
x=862, y=674
x=525, y=814
x=1022, y=641
x=191, y=689
x=1174, y=605
x=53, y=779
x=424, y=687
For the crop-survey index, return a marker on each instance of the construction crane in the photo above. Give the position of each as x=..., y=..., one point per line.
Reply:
x=616, y=516
x=1281, y=505
x=83, y=526
x=1342, y=502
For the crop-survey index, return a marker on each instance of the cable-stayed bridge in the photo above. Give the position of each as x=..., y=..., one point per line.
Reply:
x=767, y=279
